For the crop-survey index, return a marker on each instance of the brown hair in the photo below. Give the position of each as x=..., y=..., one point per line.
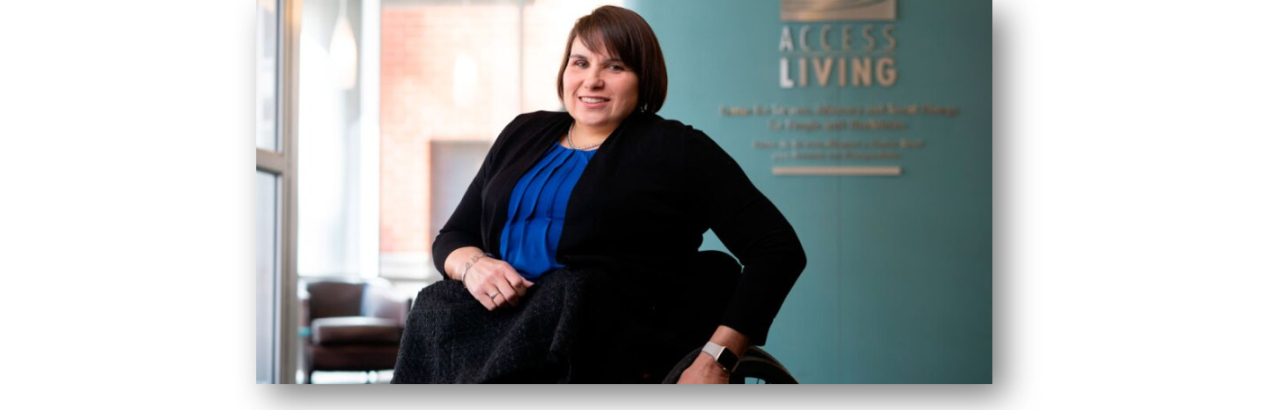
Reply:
x=623, y=34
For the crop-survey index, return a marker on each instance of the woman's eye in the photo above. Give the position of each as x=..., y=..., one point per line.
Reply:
x=616, y=67
x=579, y=63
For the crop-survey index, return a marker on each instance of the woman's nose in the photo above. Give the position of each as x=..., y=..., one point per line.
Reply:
x=594, y=80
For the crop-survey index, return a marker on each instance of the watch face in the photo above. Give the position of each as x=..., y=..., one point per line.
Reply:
x=727, y=359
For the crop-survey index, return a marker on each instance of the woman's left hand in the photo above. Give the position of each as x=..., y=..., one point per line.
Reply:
x=704, y=370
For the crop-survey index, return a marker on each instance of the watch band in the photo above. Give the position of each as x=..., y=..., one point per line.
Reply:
x=725, y=357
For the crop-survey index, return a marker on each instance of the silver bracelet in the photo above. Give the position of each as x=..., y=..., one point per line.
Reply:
x=471, y=263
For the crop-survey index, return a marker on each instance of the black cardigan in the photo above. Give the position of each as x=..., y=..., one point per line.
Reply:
x=640, y=208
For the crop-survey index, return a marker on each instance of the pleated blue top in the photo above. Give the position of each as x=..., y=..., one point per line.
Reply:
x=535, y=215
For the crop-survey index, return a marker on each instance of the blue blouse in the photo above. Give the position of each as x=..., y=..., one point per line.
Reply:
x=535, y=215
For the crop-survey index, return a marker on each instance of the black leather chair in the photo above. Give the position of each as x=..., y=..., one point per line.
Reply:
x=351, y=325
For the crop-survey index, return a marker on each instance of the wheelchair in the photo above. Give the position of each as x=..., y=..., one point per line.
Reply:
x=707, y=297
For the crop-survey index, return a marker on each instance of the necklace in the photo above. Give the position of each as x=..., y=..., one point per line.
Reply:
x=570, y=141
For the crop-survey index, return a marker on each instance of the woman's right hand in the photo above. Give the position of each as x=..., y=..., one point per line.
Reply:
x=495, y=283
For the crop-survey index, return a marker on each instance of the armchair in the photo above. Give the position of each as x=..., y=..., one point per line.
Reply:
x=351, y=325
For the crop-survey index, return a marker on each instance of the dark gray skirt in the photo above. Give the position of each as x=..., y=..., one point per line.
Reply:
x=573, y=326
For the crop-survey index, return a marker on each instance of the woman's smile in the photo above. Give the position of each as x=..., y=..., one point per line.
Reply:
x=593, y=102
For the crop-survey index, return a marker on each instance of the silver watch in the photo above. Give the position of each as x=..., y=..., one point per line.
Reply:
x=725, y=357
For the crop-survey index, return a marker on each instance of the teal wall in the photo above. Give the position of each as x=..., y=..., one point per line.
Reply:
x=898, y=286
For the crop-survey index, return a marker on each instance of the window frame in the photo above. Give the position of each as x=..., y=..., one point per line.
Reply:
x=282, y=164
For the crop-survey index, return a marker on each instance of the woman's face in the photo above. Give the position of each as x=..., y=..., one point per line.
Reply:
x=599, y=91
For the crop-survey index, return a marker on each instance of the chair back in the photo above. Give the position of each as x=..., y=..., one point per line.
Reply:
x=335, y=298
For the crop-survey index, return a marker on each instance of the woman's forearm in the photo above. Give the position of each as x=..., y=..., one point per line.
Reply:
x=731, y=339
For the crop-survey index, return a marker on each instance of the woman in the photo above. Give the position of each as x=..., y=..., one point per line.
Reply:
x=574, y=245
